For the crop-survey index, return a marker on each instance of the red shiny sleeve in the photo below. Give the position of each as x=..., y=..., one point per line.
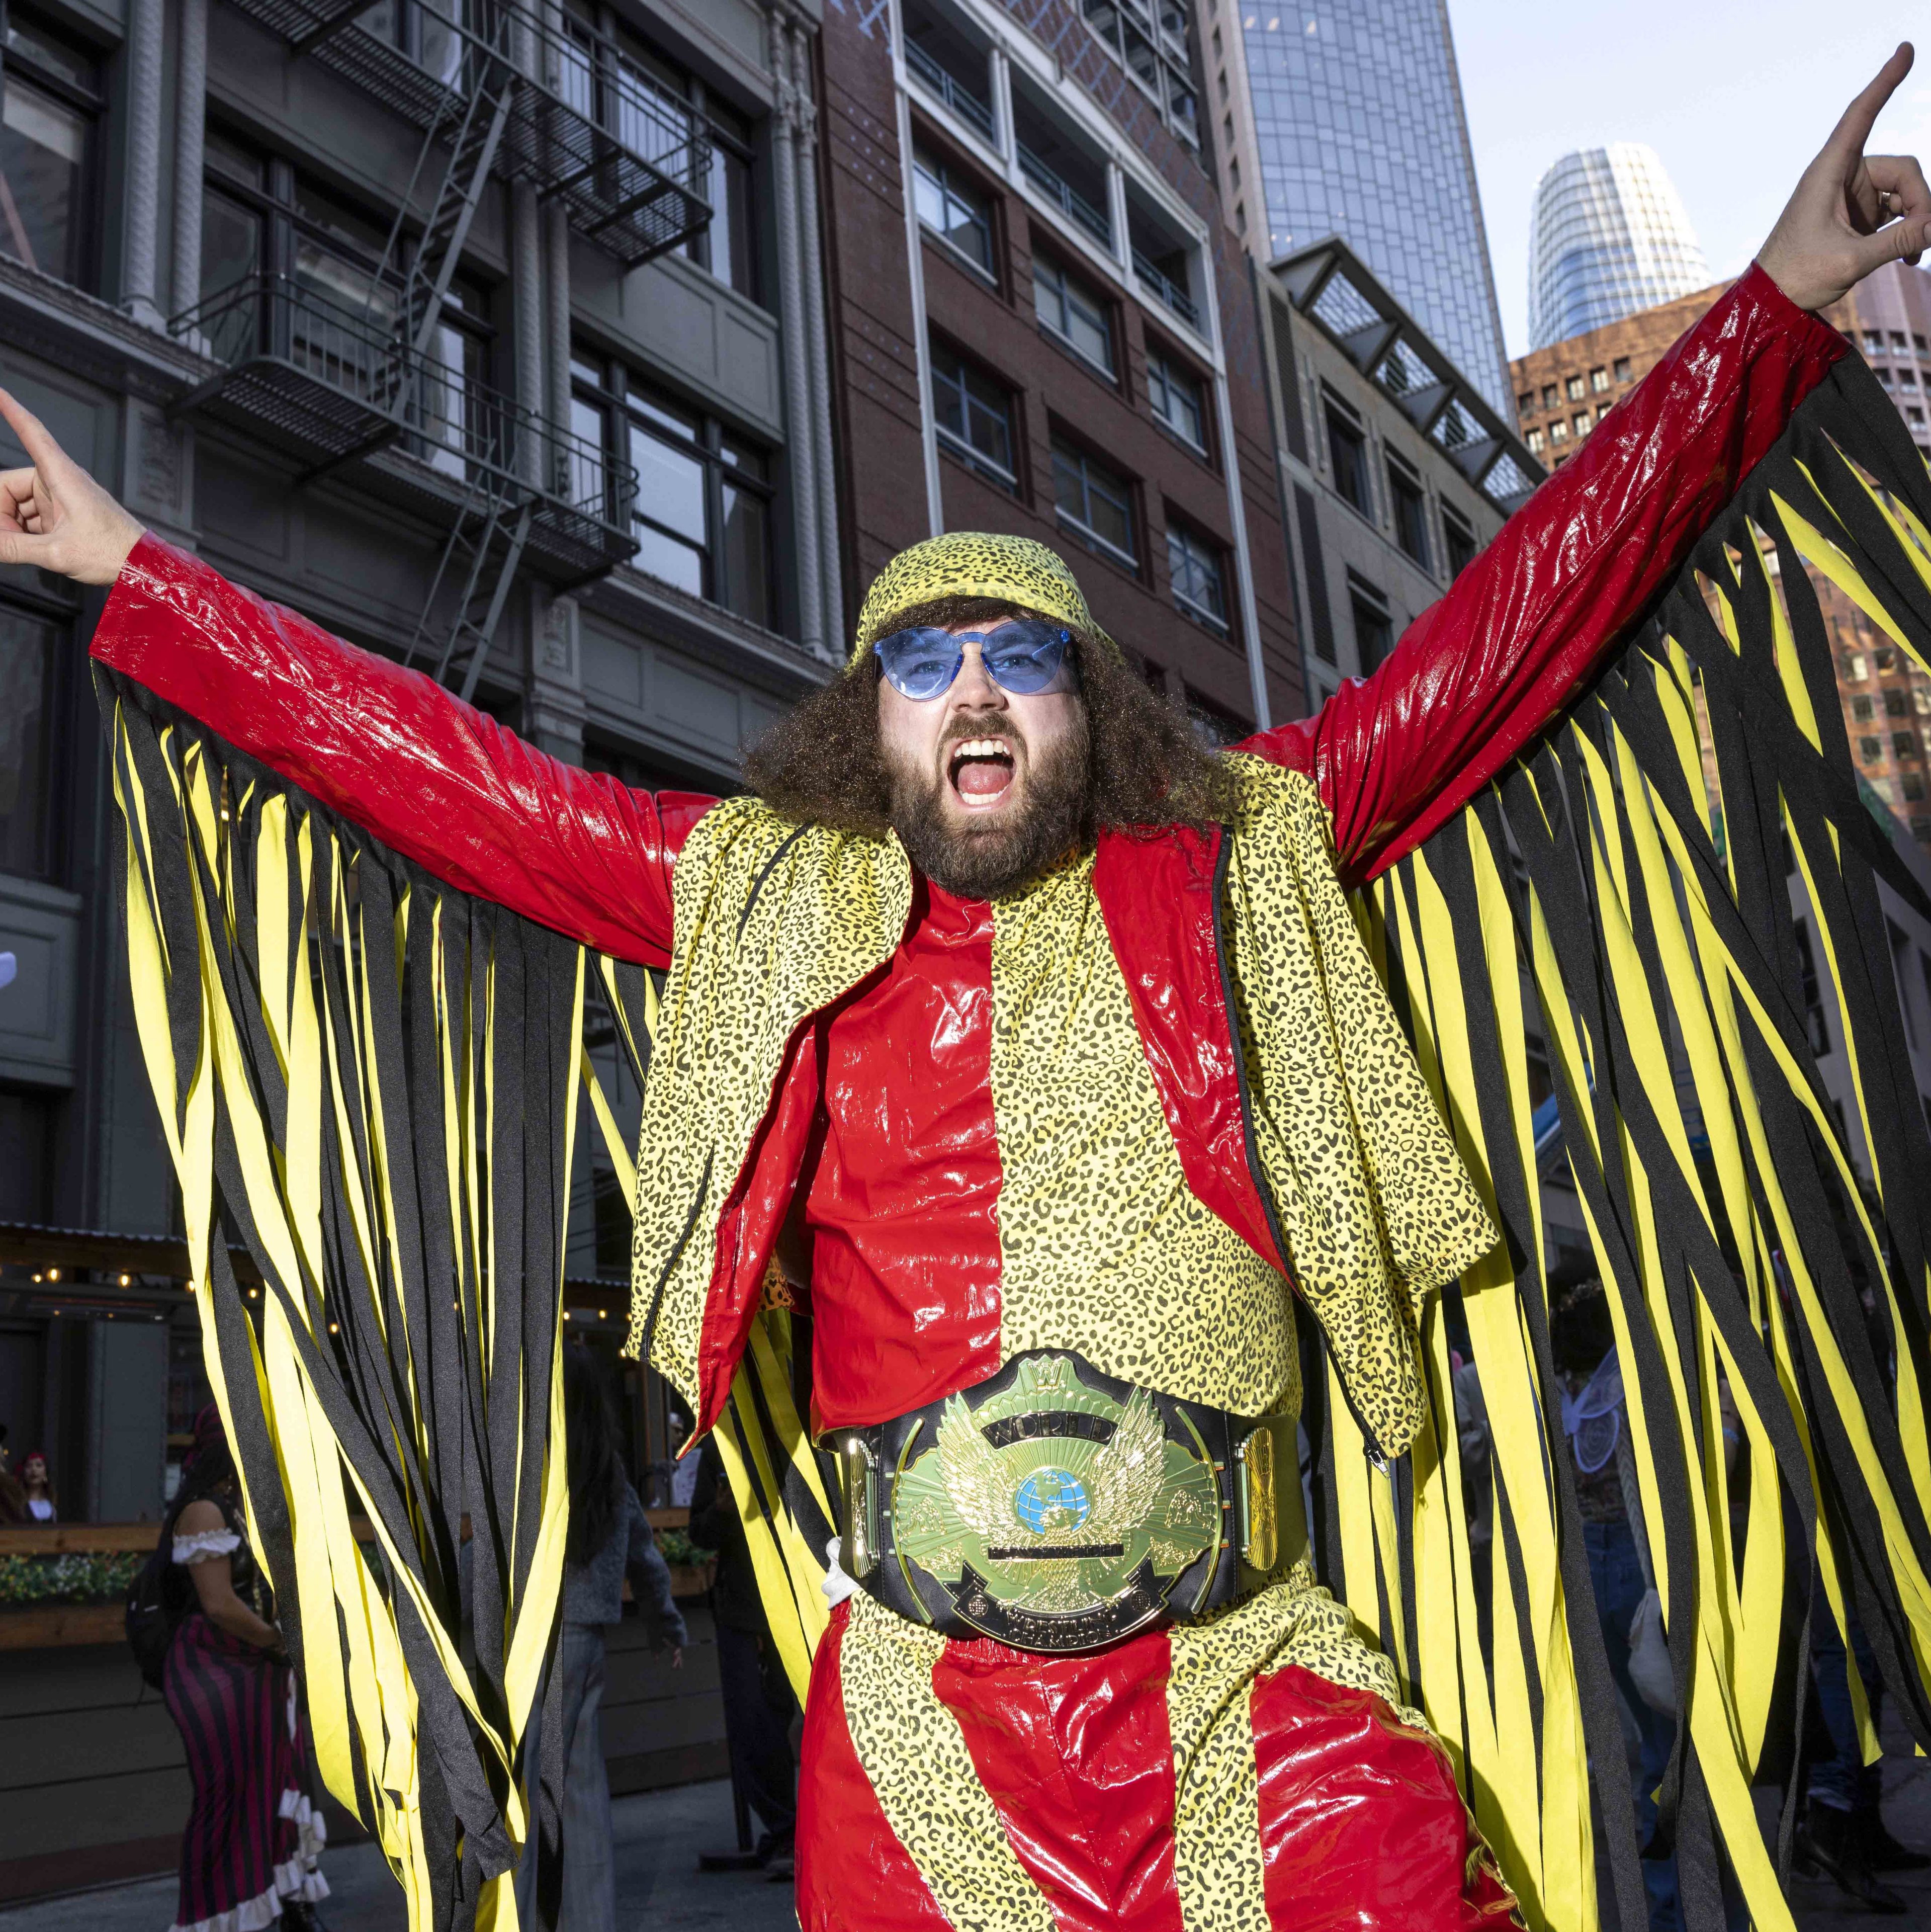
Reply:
x=1477, y=675
x=396, y=754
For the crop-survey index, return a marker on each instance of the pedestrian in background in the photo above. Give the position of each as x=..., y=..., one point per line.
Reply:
x=249, y=1853
x=37, y=1494
x=758, y=1702
x=610, y=1537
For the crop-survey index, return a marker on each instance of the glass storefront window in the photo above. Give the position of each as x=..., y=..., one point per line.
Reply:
x=47, y=122
x=29, y=640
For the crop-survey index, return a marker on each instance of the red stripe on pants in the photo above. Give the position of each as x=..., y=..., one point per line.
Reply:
x=1076, y=1753
x=1362, y=1828
x=853, y=1872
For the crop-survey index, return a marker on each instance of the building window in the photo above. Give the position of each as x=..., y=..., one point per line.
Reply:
x=952, y=208
x=1094, y=503
x=1461, y=541
x=1549, y=396
x=615, y=77
x=1598, y=379
x=1535, y=442
x=338, y=300
x=1347, y=450
x=1374, y=629
x=1411, y=510
x=1870, y=750
x=1072, y=310
x=34, y=643
x=1574, y=386
x=47, y=122
x=1558, y=431
x=974, y=418
x=1918, y=342
x=1913, y=785
x=1620, y=368
x=1907, y=378
x=1581, y=425
x=1200, y=577
x=1176, y=397
x=1897, y=703
x=1525, y=402
x=1904, y=744
x=1857, y=667
x=1913, y=414
x=1873, y=342
x=1862, y=709
x=1897, y=338
x=703, y=513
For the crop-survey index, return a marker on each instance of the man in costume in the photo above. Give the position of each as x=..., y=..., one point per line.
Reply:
x=1042, y=1052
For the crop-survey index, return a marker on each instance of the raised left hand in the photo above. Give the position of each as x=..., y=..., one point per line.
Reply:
x=1852, y=212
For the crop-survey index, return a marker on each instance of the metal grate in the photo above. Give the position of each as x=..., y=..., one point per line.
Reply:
x=631, y=163
x=329, y=385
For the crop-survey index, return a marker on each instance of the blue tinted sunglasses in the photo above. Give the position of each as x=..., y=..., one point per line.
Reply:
x=1024, y=655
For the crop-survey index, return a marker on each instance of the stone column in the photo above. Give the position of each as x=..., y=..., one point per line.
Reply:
x=556, y=320
x=817, y=344
x=191, y=123
x=797, y=372
x=140, y=234
x=526, y=296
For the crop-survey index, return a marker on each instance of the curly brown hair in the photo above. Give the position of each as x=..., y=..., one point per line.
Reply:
x=822, y=763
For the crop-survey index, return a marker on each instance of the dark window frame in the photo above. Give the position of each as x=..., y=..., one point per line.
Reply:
x=1163, y=364
x=1199, y=550
x=1373, y=623
x=1407, y=507
x=621, y=395
x=1352, y=483
x=954, y=179
x=61, y=615
x=1106, y=310
x=963, y=448
x=1067, y=449
x=1459, y=541
x=83, y=269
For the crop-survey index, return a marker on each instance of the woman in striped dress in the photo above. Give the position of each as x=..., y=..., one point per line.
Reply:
x=248, y=1856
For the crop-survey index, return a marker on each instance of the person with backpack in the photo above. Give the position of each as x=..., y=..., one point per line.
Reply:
x=250, y=1853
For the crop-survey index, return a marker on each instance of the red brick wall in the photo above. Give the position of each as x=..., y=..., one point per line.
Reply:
x=882, y=480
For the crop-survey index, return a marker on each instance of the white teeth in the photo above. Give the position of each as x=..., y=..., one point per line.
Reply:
x=982, y=748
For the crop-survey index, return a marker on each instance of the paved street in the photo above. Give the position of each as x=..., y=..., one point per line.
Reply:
x=659, y=1834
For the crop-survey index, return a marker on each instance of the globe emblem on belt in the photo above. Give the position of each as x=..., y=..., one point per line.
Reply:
x=1052, y=1499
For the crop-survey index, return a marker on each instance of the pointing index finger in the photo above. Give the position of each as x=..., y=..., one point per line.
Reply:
x=1847, y=138
x=33, y=434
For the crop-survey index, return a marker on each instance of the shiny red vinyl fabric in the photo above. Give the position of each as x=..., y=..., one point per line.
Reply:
x=905, y=1264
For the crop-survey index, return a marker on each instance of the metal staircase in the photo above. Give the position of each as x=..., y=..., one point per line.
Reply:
x=515, y=97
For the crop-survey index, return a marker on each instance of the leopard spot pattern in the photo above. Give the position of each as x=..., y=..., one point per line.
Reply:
x=1104, y=1248
x=921, y=1770
x=1375, y=1206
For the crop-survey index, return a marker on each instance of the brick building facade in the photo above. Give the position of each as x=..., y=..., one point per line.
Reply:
x=1041, y=324
x=1886, y=699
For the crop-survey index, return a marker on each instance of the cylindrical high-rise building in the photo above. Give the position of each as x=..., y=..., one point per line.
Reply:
x=1359, y=130
x=1611, y=238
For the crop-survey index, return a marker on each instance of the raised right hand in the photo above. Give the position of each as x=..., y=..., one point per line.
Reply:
x=54, y=516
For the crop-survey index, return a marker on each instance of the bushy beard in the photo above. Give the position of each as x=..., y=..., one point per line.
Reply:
x=986, y=861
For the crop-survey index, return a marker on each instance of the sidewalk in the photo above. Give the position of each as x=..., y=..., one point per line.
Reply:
x=659, y=1834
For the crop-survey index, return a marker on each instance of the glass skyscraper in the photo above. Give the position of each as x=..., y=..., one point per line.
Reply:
x=1361, y=132
x=1611, y=238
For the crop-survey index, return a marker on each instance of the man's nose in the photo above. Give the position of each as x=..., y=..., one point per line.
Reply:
x=974, y=688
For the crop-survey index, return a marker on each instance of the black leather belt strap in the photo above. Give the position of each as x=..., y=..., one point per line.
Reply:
x=1058, y=1509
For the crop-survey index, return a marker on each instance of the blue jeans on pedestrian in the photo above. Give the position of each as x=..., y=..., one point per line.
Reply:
x=1616, y=1572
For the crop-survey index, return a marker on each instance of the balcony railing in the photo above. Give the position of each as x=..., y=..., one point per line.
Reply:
x=631, y=165
x=1161, y=286
x=950, y=88
x=1061, y=192
x=330, y=386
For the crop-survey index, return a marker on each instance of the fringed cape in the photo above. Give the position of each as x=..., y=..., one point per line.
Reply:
x=373, y=1082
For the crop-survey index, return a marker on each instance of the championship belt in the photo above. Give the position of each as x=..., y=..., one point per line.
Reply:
x=1056, y=1509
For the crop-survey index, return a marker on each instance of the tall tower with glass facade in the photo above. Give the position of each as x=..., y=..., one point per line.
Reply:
x=1611, y=238
x=1358, y=129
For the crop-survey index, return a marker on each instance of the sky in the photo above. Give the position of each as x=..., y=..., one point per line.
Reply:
x=1737, y=96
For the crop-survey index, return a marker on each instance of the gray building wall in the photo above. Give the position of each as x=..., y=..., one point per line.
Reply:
x=627, y=669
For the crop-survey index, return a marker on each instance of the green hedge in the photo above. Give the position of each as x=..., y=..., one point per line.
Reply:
x=75, y=1579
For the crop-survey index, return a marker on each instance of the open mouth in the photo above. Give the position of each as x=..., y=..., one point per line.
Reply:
x=980, y=771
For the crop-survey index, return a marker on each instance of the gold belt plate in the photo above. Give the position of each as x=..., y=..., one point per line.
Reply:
x=1055, y=1516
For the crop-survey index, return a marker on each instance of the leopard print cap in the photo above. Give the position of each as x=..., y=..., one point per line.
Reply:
x=973, y=563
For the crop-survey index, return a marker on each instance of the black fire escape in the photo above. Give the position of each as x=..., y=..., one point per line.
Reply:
x=510, y=95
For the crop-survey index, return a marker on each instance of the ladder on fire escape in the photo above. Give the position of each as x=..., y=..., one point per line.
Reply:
x=485, y=544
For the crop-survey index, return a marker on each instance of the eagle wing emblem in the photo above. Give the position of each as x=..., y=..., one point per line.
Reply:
x=1128, y=1470
x=978, y=1483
